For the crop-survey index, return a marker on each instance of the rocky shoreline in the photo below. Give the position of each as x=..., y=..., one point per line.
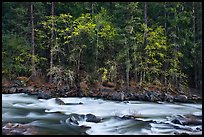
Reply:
x=106, y=93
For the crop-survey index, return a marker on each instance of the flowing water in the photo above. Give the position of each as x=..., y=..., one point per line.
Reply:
x=51, y=118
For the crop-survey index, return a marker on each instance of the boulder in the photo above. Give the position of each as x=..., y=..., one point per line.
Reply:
x=153, y=98
x=42, y=95
x=181, y=98
x=187, y=120
x=59, y=101
x=18, y=129
x=73, y=120
x=166, y=97
x=119, y=96
x=176, y=121
x=146, y=97
x=92, y=118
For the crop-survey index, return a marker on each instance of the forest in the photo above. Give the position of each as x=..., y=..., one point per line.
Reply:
x=101, y=68
x=120, y=43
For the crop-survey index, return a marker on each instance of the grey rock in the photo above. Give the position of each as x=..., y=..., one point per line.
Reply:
x=42, y=95
x=59, y=101
x=92, y=118
x=119, y=96
x=181, y=98
x=73, y=120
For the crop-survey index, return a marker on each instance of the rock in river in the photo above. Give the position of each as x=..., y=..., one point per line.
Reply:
x=92, y=118
x=42, y=95
x=59, y=101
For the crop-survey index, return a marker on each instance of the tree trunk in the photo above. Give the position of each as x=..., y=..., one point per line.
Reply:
x=165, y=33
x=52, y=43
x=127, y=65
x=96, y=57
x=145, y=37
x=32, y=41
x=92, y=8
x=145, y=22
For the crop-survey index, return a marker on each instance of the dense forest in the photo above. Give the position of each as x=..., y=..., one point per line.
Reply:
x=124, y=43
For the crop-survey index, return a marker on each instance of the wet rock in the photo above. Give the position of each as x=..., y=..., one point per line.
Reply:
x=92, y=118
x=118, y=96
x=192, y=120
x=42, y=95
x=181, y=98
x=81, y=103
x=129, y=96
x=80, y=93
x=166, y=97
x=146, y=97
x=176, y=121
x=18, y=129
x=153, y=98
x=198, y=129
x=187, y=120
x=59, y=101
x=73, y=120
x=135, y=96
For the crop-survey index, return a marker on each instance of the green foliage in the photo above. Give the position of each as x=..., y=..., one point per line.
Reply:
x=103, y=71
x=16, y=56
x=108, y=37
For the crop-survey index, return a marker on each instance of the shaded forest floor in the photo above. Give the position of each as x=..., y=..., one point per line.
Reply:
x=140, y=92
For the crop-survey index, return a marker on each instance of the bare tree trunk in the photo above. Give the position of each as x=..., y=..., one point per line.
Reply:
x=127, y=65
x=145, y=21
x=96, y=58
x=52, y=42
x=165, y=33
x=32, y=41
x=92, y=8
x=145, y=36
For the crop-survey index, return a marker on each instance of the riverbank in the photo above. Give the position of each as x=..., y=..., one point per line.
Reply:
x=150, y=93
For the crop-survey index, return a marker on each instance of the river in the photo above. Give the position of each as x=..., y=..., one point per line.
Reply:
x=51, y=118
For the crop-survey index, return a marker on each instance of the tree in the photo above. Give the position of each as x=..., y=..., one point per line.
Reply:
x=33, y=42
x=52, y=39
